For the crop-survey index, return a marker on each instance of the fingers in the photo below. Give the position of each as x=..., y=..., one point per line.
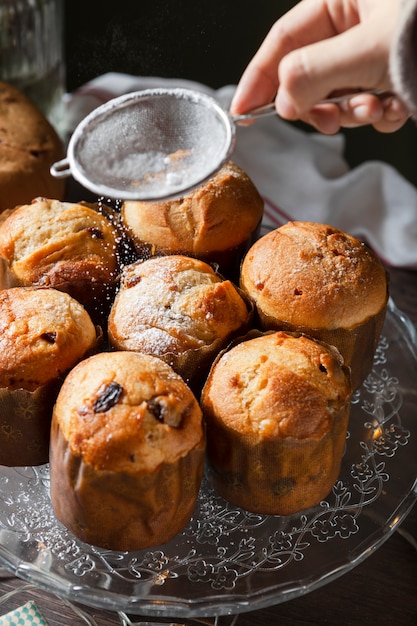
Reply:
x=386, y=114
x=305, y=23
x=255, y=88
x=395, y=115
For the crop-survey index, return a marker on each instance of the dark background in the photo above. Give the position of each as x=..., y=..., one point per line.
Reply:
x=209, y=41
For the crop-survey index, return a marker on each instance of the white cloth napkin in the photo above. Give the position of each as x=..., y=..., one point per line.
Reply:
x=301, y=176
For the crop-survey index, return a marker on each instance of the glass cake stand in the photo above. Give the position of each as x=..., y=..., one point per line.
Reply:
x=228, y=561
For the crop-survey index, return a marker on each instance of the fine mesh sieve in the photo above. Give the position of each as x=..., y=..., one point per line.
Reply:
x=149, y=144
x=153, y=144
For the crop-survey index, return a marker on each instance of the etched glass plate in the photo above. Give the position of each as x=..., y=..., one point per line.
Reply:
x=227, y=560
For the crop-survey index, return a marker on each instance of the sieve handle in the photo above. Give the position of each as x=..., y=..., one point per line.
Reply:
x=61, y=169
x=266, y=109
x=269, y=109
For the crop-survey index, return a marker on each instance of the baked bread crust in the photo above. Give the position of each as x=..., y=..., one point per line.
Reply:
x=48, y=242
x=318, y=280
x=43, y=332
x=179, y=309
x=314, y=275
x=127, y=451
x=29, y=145
x=276, y=408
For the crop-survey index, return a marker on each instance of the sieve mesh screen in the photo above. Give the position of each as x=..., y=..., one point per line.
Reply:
x=153, y=144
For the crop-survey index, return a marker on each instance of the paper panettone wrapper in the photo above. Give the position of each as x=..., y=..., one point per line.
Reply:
x=123, y=511
x=275, y=476
x=25, y=420
x=357, y=345
x=7, y=277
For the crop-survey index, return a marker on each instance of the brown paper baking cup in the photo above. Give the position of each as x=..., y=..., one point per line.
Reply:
x=277, y=476
x=7, y=277
x=357, y=345
x=123, y=511
x=25, y=422
x=194, y=365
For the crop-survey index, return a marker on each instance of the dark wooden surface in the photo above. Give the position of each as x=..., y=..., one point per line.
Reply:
x=381, y=590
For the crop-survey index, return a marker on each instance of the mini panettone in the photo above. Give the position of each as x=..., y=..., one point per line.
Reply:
x=127, y=451
x=69, y=246
x=29, y=145
x=316, y=279
x=217, y=222
x=177, y=308
x=276, y=408
x=43, y=333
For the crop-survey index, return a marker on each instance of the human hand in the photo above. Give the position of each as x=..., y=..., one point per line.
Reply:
x=322, y=47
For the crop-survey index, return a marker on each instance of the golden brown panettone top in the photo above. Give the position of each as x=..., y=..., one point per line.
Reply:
x=43, y=333
x=314, y=275
x=128, y=412
x=49, y=242
x=172, y=304
x=218, y=215
x=29, y=146
x=277, y=386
